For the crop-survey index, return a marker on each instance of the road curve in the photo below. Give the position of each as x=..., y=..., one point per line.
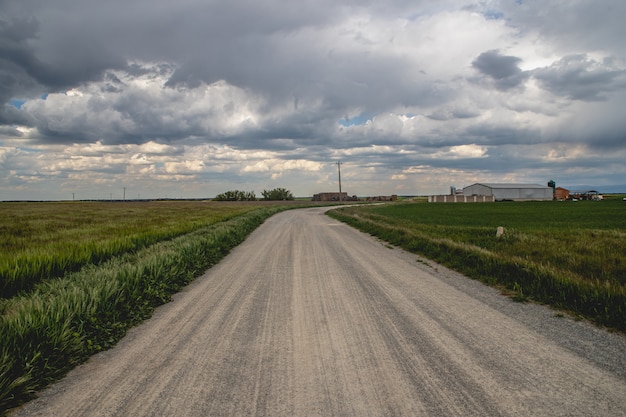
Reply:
x=309, y=317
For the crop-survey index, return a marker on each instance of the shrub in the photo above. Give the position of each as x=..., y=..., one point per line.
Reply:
x=236, y=195
x=277, y=194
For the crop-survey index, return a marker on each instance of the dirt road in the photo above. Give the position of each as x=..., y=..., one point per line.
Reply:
x=309, y=317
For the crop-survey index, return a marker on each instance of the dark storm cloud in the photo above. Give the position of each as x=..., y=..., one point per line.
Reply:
x=76, y=58
x=16, y=62
x=276, y=50
x=580, y=78
x=81, y=39
x=24, y=75
x=9, y=115
x=497, y=66
x=502, y=69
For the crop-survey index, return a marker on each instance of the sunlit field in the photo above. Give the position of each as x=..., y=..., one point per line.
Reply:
x=571, y=255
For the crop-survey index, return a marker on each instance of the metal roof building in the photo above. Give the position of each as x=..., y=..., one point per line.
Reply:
x=516, y=192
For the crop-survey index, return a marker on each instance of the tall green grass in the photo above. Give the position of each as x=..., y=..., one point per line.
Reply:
x=60, y=322
x=569, y=255
x=46, y=240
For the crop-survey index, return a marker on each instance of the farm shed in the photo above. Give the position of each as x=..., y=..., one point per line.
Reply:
x=517, y=192
x=561, y=193
x=460, y=198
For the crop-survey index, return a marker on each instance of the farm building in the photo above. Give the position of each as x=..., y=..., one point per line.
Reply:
x=334, y=197
x=561, y=193
x=517, y=192
x=393, y=197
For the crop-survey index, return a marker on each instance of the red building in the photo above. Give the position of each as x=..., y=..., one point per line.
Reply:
x=561, y=193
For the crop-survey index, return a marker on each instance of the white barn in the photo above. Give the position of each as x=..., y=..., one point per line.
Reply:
x=516, y=192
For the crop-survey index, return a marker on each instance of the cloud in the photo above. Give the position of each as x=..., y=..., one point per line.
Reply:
x=502, y=69
x=463, y=152
x=564, y=27
x=579, y=77
x=195, y=98
x=143, y=111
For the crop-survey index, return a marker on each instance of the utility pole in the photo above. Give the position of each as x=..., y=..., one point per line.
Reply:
x=124, y=193
x=339, y=172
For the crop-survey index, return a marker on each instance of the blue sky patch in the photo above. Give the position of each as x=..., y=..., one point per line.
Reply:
x=361, y=119
x=17, y=103
x=493, y=15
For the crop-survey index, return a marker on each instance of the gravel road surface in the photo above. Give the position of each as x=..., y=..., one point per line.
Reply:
x=309, y=317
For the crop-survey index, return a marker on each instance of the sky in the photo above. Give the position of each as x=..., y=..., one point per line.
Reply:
x=189, y=99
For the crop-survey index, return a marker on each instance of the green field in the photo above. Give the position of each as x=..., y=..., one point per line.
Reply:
x=40, y=241
x=571, y=255
x=76, y=276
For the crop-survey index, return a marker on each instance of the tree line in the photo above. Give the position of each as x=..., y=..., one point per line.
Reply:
x=277, y=194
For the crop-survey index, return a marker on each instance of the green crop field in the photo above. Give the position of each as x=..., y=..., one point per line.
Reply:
x=40, y=241
x=46, y=240
x=74, y=276
x=571, y=255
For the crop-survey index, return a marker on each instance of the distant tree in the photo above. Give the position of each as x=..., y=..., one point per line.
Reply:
x=277, y=194
x=236, y=195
